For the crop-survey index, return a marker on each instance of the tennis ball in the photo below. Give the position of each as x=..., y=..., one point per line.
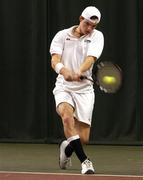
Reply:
x=109, y=79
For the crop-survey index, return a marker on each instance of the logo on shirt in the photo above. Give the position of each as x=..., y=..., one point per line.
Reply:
x=68, y=39
x=87, y=40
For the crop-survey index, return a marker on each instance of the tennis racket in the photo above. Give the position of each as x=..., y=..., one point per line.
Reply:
x=108, y=77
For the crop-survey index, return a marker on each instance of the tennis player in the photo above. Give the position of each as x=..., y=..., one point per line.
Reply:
x=73, y=53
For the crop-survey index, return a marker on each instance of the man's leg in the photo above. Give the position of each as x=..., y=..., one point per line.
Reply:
x=76, y=142
x=72, y=129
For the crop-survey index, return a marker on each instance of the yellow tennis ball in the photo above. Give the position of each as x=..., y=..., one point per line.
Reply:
x=109, y=79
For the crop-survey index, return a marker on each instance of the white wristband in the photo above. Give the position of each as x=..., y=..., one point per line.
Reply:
x=58, y=67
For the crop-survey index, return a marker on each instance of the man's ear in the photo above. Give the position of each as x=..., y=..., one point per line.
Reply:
x=81, y=18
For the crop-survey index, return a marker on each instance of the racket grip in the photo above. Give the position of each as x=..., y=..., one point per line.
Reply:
x=83, y=77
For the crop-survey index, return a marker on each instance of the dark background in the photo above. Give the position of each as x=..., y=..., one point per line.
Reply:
x=27, y=112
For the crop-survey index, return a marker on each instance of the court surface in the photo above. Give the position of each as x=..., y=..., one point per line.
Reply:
x=19, y=161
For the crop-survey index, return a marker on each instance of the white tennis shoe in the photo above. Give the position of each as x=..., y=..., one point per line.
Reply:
x=64, y=161
x=87, y=167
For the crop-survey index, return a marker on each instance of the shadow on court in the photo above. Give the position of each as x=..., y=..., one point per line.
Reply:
x=113, y=160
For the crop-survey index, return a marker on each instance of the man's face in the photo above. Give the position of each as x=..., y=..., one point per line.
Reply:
x=86, y=26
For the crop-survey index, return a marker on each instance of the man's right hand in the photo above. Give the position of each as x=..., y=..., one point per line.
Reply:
x=68, y=75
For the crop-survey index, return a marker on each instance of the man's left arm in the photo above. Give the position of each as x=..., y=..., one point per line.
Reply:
x=87, y=64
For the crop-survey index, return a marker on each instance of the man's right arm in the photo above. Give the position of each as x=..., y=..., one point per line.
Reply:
x=60, y=68
x=56, y=58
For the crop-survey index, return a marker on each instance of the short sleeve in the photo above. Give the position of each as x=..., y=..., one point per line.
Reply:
x=96, y=46
x=57, y=43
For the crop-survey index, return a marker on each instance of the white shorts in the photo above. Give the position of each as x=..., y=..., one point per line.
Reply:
x=83, y=103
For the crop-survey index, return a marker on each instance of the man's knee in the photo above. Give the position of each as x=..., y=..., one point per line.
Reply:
x=84, y=139
x=66, y=119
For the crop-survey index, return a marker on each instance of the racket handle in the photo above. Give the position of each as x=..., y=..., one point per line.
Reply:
x=83, y=77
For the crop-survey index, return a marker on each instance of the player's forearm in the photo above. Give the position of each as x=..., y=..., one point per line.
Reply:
x=87, y=64
x=56, y=63
x=55, y=60
x=59, y=67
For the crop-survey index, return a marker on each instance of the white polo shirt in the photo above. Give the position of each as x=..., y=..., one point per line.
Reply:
x=74, y=51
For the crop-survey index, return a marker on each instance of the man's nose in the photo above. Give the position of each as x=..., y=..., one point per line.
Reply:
x=90, y=28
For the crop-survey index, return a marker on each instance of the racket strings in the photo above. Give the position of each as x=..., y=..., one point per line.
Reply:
x=109, y=77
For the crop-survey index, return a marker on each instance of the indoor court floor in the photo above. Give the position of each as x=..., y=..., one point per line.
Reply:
x=20, y=161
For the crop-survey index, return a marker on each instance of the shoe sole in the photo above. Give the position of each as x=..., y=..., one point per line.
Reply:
x=59, y=155
x=89, y=172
